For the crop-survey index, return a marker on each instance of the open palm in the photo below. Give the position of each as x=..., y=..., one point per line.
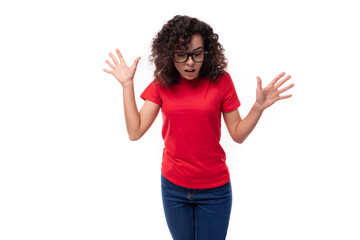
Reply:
x=265, y=97
x=120, y=70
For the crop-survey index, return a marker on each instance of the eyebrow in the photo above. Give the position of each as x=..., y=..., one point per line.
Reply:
x=192, y=50
x=196, y=49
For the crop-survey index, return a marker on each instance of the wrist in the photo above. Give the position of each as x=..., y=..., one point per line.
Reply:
x=258, y=108
x=128, y=84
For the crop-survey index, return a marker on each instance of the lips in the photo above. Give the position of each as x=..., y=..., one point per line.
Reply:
x=190, y=73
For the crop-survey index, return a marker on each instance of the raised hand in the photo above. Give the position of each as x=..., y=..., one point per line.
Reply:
x=265, y=97
x=120, y=70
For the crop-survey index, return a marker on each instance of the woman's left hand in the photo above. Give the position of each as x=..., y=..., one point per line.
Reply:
x=265, y=97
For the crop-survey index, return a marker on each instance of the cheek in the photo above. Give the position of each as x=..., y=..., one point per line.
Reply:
x=177, y=66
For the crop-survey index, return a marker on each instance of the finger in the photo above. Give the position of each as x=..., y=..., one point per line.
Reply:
x=120, y=56
x=110, y=64
x=286, y=88
x=107, y=71
x=282, y=81
x=285, y=97
x=136, y=62
x=277, y=78
x=114, y=59
x=259, y=84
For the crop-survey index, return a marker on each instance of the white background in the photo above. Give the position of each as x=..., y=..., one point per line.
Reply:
x=68, y=170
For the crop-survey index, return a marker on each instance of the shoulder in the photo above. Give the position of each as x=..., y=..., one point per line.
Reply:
x=155, y=85
x=225, y=79
x=159, y=84
x=226, y=76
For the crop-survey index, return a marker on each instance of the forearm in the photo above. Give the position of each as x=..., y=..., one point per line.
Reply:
x=247, y=125
x=132, y=115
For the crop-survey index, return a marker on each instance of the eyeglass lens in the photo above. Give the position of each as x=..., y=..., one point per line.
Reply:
x=182, y=57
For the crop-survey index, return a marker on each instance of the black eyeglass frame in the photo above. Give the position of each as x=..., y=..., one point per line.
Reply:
x=190, y=55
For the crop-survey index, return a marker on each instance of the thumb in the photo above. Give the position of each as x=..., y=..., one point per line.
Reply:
x=259, y=84
x=136, y=62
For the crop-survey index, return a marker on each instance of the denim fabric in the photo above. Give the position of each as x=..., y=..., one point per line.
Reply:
x=196, y=214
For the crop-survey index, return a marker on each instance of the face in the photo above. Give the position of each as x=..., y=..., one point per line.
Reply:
x=190, y=69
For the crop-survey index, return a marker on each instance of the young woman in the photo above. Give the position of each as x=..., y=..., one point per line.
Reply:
x=193, y=90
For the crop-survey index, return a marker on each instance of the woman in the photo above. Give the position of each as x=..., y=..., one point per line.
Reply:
x=192, y=89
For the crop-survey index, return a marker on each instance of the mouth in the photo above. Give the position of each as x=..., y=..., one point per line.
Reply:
x=190, y=74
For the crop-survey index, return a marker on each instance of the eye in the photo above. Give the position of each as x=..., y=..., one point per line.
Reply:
x=180, y=55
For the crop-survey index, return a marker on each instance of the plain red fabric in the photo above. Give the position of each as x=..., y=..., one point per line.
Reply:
x=191, y=111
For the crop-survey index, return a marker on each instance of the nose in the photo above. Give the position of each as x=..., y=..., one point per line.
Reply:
x=190, y=61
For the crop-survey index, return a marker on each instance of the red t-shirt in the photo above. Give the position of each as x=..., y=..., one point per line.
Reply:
x=191, y=111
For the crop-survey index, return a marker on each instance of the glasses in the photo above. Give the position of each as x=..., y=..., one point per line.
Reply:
x=182, y=57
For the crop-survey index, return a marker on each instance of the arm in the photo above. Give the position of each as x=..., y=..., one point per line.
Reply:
x=137, y=123
x=240, y=129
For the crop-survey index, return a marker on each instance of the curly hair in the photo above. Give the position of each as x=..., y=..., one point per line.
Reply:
x=176, y=34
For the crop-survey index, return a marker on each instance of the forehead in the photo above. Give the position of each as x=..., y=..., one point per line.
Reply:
x=196, y=42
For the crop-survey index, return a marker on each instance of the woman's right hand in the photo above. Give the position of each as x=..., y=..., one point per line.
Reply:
x=120, y=70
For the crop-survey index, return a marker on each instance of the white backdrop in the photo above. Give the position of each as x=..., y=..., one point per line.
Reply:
x=68, y=170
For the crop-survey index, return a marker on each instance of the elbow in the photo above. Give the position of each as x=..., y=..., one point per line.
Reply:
x=239, y=141
x=134, y=137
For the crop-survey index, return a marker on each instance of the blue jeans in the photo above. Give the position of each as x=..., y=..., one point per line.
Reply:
x=196, y=214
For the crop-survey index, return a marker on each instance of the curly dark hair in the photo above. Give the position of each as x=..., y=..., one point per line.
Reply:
x=176, y=34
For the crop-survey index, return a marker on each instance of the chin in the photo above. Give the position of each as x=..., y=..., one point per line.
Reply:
x=187, y=77
x=190, y=78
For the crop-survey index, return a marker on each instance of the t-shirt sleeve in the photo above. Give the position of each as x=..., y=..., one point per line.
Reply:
x=152, y=93
x=230, y=101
